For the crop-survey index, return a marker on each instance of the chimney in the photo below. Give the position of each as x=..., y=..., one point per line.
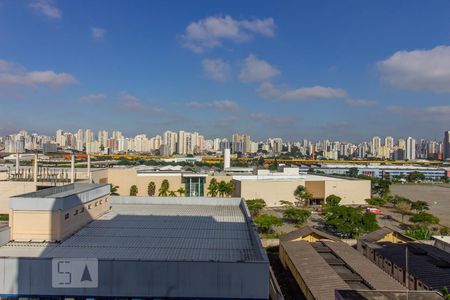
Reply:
x=17, y=162
x=72, y=169
x=35, y=171
x=89, y=168
x=226, y=159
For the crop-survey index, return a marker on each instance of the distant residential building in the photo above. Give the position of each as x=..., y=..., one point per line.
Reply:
x=410, y=148
x=446, y=145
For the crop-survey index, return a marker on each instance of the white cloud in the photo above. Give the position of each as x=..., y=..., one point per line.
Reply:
x=216, y=69
x=254, y=70
x=93, y=98
x=418, y=69
x=12, y=75
x=211, y=32
x=220, y=105
x=360, y=102
x=98, y=33
x=46, y=8
x=429, y=113
x=131, y=103
x=267, y=89
x=272, y=118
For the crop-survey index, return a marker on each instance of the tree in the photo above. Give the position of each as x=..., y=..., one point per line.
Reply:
x=225, y=188
x=415, y=176
x=353, y=172
x=172, y=193
x=274, y=165
x=213, y=188
x=297, y=216
x=151, y=188
x=381, y=187
x=113, y=190
x=333, y=200
x=133, y=190
x=404, y=208
x=377, y=201
x=181, y=191
x=395, y=200
x=164, y=189
x=302, y=196
x=255, y=206
x=267, y=222
x=445, y=293
x=261, y=161
x=420, y=206
x=424, y=218
x=350, y=221
x=286, y=203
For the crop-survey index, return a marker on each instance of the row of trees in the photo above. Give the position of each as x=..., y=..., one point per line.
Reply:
x=266, y=222
x=164, y=190
x=220, y=188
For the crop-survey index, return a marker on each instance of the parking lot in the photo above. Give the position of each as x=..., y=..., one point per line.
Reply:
x=437, y=196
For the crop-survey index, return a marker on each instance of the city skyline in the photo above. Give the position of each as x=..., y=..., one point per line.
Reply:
x=292, y=71
x=183, y=142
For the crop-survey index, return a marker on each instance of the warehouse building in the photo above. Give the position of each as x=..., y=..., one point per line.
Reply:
x=322, y=264
x=137, y=247
x=415, y=265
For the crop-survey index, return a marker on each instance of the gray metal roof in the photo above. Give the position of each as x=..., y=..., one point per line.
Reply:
x=161, y=232
x=59, y=198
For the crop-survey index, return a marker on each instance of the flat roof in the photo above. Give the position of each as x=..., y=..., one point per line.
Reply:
x=388, y=295
x=429, y=264
x=61, y=191
x=304, y=177
x=159, y=229
x=59, y=198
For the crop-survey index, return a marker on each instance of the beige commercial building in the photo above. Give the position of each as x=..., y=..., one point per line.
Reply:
x=55, y=213
x=274, y=187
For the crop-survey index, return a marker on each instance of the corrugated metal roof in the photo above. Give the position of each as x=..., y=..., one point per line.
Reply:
x=373, y=275
x=320, y=278
x=156, y=232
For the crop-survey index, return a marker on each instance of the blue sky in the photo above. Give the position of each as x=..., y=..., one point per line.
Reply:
x=292, y=69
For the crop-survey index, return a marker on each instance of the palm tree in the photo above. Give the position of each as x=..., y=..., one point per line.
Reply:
x=133, y=190
x=222, y=188
x=213, y=188
x=172, y=193
x=113, y=190
x=230, y=188
x=181, y=191
x=164, y=189
x=151, y=188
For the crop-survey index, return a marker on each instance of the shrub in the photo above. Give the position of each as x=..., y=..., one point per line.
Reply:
x=267, y=222
x=333, y=200
x=133, y=190
x=419, y=233
x=377, y=201
x=297, y=216
x=424, y=218
x=255, y=206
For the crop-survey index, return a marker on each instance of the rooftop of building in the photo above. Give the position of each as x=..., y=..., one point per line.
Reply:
x=59, y=198
x=159, y=229
x=429, y=264
x=387, y=295
x=442, y=238
x=380, y=233
x=331, y=260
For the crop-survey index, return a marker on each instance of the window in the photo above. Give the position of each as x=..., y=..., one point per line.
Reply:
x=101, y=201
x=66, y=216
x=82, y=210
x=96, y=203
x=89, y=206
x=76, y=212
